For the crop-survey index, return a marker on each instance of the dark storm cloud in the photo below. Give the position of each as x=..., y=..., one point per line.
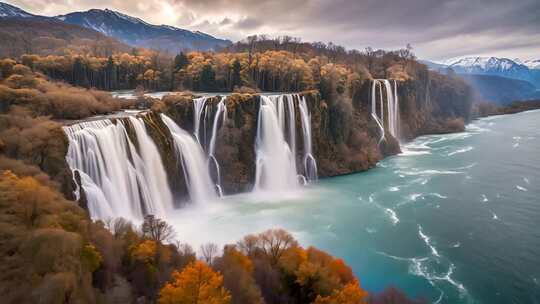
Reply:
x=437, y=29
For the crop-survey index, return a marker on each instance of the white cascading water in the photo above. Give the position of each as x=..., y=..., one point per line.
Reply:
x=117, y=180
x=219, y=119
x=310, y=164
x=392, y=107
x=199, y=105
x=275, y=162
x=194, y=163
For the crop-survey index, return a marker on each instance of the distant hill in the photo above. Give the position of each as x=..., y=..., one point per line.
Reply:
x=129, y=30
x=137, y=32
x=501, y=90
x=10, y=11
x=24, y=33
x=48, y=36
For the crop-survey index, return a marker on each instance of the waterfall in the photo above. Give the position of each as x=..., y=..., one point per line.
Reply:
x=275, y=162
x=310, y=164
x=221, y=113
x=199, y=105
x=194, y=163
x=118, y=180
x=392, y=107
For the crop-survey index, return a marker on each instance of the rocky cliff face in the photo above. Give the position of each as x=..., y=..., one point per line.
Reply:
x=345, y=137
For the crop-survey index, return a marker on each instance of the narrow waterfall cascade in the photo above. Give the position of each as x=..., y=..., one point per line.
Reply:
x=275, y=144
x=118, y=180
x=152, y=168
x=219, y=119
x=199, y=115
x=310, y=164
x=194, y=163
x=389, y=94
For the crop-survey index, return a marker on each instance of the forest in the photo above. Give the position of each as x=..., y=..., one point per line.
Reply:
x=258, y=63
x=54, y=253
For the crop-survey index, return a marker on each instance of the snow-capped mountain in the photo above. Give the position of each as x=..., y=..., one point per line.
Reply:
x=10, y=11
x=137, y=32
x=528, y=70
x=492, y=66
x=532, y=64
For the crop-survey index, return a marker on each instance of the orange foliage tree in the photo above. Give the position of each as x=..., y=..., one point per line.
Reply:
x=197, y=283
x=350, y=294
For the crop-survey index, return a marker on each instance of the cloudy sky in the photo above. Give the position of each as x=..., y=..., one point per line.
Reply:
x=437, y=30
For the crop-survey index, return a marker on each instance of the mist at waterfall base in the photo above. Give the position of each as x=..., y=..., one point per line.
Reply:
x=454, y=218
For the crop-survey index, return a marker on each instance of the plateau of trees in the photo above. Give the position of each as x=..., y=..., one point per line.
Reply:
x=258, y=62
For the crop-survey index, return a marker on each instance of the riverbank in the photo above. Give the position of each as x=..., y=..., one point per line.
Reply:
x=488, y=109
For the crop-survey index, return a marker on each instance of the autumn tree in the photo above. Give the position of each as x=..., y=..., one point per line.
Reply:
x=180, y=61
x=274, y=243
x=156, y=229
x=236, y=70
x=207, y=81
x=209, y=252
x=349, y=294
x=237, y=270
x=196, y=284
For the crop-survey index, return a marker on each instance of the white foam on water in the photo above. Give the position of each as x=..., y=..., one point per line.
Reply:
x=427, y=241
x=526, y=180
x=393, y=189
x=429, y=172
x=456, y=245
x=466, y=167
x=515, y=145
x=494, y=216
x=449, y=279
x=439, y=195
x=476, y=128
x=393, y=216
x=412, y=149
x=371, y=230
x=521, y=188
x=415, y=196
x=484, y=198
x=459, y=151
x=419, y=266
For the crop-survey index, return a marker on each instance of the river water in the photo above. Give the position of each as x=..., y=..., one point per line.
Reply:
x=454, y=219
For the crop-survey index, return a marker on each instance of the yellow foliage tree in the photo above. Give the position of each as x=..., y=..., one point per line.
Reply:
x=196, y=284
x=145, y=252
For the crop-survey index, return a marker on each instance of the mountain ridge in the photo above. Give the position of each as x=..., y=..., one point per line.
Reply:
x=528, y=70
x=128, y=29
x=137, y=32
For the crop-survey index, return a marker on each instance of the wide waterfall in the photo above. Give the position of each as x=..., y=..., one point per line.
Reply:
x=392, y=107
x=275, y=162
x=194, y=163
x=122, y=173
x=310, y=164
x=275, y=144
x=118, y=179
